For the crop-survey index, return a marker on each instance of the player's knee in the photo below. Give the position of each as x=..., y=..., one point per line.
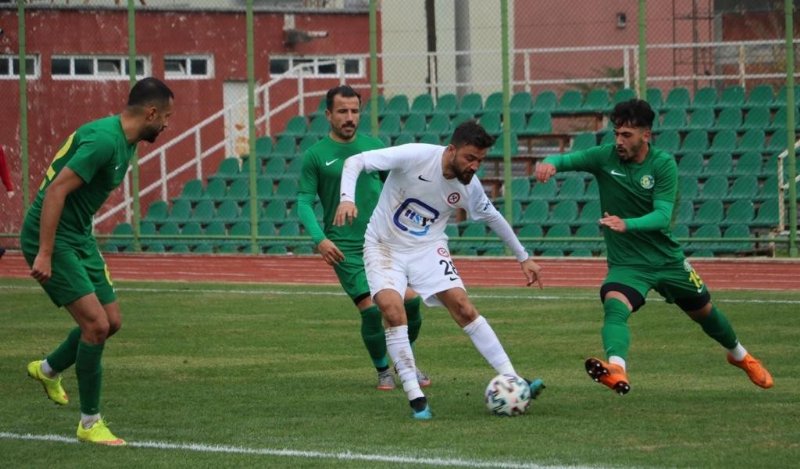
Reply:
x=114, y=327
x=464, y=312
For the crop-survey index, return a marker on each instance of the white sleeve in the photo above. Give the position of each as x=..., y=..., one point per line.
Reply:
x=352, y=168
x=481, y=208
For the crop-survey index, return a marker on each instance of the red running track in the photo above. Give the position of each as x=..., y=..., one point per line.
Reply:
x=723, y=274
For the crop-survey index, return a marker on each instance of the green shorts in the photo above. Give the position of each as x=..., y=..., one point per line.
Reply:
x=352, y=276
x=677, y=283
x=75, y=273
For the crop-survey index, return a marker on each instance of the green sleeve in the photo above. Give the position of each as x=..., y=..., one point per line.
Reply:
x=658, y=219
x=305, y=212
x=584, y=160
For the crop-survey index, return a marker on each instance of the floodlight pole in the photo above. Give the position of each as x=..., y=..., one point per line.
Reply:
x=791, y=106
x=251, y=128
x=642, y=19
x=135, y=163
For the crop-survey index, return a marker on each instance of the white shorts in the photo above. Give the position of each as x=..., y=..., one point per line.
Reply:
x=428, y=270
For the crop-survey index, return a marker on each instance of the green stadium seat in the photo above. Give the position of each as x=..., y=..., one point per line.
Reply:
x=287, y=189
x=777, y=142
x=715, y=187
x=181, y=211
x=403, y=139
x=365, y=124
x=153, y=246
x=432, y=139
x=240, y=228
x=494, y=102
x=767, y=215
x=390, y=125
x=724, y=141
x=561, y=230
x=264, y=187
x=275, y=167
x=264, y=146
x=491, y=122
x=169, y=229
x=760, y=96
x=736, y=231
x=779, y=101
x=546, y=101
x=275, y=211
x=707, y=248
x=544, y=190
x=227, y=212
x=607, y=138
x=530, y=230
x=521, y=102
x=669, y=141
x=216, y=234
x=322, y=106
x=446, y=104
x=702, y=118
x=710, y=212
x=695, y=141
x=285, y=147
x=397, y=106
x=685, y=213
x=583, y=140
x=731, y=97
x=624, y=94
x=535, y=212
x=687, y=187
x=157, y=212
x=539, y=123
x=471, y=103
x=564, y=212
x=192, y=228
x=769, y=188
x=296, y=127
x=744, y=188
x=674, y=119
x=266, y=228
x=677, y=98
x=779, y=119
x=588, y=230
x=439, y=125
x=305, y=143
x=704, y=98
x=655, y=98
x=520, y=189
x=123, y=240
x=518, y=122
x=741, y=211
x=729, y=119
x=690, y=164
x=597, y=100
x=752, y=140
x=422, y=105
x=203, y=212
x=571, y=102
x=590, y=213
x=366, y=105
x=756, y=118
x=239, y=191
x=228, y=170
x=457, y=120
x=192, y=191
x=679, y=232
x=719, y=164
x=472, y=230
x=572, y=188
x=748, y=164
x=496, y=151
x=592, y=190
x=415, y=124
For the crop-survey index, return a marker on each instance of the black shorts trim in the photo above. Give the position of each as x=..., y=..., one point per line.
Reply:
x=634, y=297
x=360, y=297
x=694, y=303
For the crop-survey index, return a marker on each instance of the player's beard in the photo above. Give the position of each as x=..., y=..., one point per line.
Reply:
x=464, y=176
x=629, y=154
x=151, y=133
x=346, y=132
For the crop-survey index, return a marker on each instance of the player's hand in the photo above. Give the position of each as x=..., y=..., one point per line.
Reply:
x=613, y=222
x=544, y=171
x=42, y=268
x=330, y=253
x=532, y=272
x=346, y=212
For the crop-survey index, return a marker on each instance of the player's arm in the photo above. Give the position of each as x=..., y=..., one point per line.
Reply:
x=576, y=161
x=55, y=195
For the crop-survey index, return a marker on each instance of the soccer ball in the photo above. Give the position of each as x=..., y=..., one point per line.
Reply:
x=507, y=395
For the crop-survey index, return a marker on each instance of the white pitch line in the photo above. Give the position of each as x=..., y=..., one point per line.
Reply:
x=290, y=453
x=592, y=297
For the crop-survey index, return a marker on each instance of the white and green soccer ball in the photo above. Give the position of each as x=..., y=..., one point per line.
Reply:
x=507, y=395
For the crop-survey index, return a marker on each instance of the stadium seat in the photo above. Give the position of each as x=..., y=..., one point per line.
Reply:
x=322, y=105
x=521, y=102
x=491, y=122
x=432, y=139
x=724, y=141
x=122, y=240
x=203, y=212
x=286, y=146
x=539, y=123
x=767, y=215
x=169, y=229
x=416, y=124
x=530, y=230
x=741, y=211
x=157, y=212
x=592, y=190
x=597, y=100
x=296, y=127
x=446, y=104
x=403, y=139
x=729, y=119
x=695, y=141
x=752, y=140
x=779, y=119
x=275, y=211
x=275, y=167
x=622, y=95
x=606, y=138
x=227, y=212
x=687, y=187
x=685, y=213
x=718, y=164
x=669, y=141
x=422, y=105
x=397, y=106
x=710, y=212
x=390, y=125
x=518, y=122
x=590, y=213
x=744, y=187
x=494, y=102
x=680, y=232
x=655, y=98
x=704, y=98
x=228, y=170
x=439, y=125
x=572, y=188
x=583, y=140
x=181, y=211
x=756, y=118
x=674, y=119
x=546, y=101
x=192, y=191
x=520, y=188
x=690, y=164
x=306, y=142
x=536, y=212
x=571, y=102
x=564, y=212
x=677, y=98
x=731, y=97
x=779, y=102
x=544, y=190
x=239, y=191
x=588, y=230
x=557, y=231
x=715, y=187
x=264, y=147
x=736, y=231
x=748, y=164
x=760, y=96
x=777, y=142
x=472, y=230
x=471, y=103
x=497, y=152
x=705, y=232
x=769, y=188
x=264, y=187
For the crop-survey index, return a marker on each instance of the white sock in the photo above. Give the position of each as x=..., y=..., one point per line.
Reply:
x=403, y=357
x=48, y=370
x=615, y=360
x=738, y=353
x=88, y=420
x=489, y=345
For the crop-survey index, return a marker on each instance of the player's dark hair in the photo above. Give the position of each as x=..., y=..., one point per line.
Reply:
x=471, y=133
x=633, y=113
x=344, y=91
x=150, y=91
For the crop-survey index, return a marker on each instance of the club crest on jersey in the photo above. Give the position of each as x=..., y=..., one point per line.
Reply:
x=647, y=182
x=443, y=252
x=453, y=198
x=687, y=266
x=415, y=217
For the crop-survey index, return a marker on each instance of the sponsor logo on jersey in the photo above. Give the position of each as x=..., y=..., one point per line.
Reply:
x=453, y=198
x=328, y=163
x=415, y=217
x=647, y=182
x=443, y=252
x=423, y=179
x=614, y=172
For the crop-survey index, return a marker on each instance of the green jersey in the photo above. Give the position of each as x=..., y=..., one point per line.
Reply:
x=321, y=176
x=628, y=190
x=98, y=153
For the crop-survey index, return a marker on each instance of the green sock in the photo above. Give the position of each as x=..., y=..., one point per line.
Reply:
x=374, y=336
x=414, y=317
x=615, y=332
x=716, y=326
x=63, y=356
x=89, y=369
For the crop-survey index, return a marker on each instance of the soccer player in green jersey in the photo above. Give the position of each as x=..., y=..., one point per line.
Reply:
x=58, y=244
x=343, y=246
x=638, y=188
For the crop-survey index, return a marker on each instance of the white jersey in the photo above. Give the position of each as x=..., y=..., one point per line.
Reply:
x=417, y=201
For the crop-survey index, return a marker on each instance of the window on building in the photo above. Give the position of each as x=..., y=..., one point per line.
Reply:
x=190, y=67
x=96, y=68
x=9, y=67
x=318, y=67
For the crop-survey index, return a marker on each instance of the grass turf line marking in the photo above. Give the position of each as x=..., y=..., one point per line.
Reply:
x=342, y=456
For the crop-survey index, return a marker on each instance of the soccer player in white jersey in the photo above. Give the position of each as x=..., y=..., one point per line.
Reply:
x=405, y=244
